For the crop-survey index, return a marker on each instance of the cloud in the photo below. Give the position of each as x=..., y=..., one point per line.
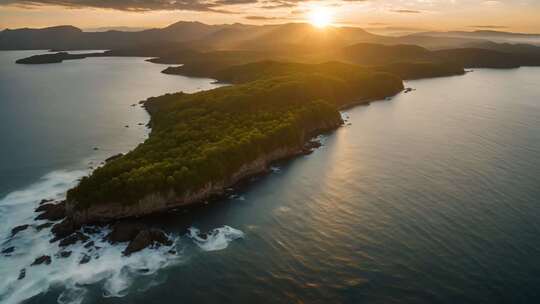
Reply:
x=406, y=11
x=493, y=27
x=261, y=18
x=220, y=6
x=136, y=5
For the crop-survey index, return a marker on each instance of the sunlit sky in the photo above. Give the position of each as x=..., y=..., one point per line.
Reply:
x=504, y=15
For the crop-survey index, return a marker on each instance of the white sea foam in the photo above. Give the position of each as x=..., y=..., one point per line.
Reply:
x=275, y=169
x=344, y=115
x=236, y=197
x=217, y=239
x=107, y=266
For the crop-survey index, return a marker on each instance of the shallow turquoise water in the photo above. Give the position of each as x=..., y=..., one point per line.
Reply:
x=431, y=197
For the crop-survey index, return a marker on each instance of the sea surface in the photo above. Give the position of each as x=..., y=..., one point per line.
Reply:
x=430, y=197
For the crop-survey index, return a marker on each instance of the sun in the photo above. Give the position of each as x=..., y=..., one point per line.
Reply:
x=320, y=17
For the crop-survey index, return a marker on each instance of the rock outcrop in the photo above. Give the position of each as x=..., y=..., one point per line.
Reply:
x=18, y=229
x=52, y=212
x=72, y=239
x=44, y=259
x=147, y=238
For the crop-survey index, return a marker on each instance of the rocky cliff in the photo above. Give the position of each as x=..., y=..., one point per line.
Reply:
x=160, y=202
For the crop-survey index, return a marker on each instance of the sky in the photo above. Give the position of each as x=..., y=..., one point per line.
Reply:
x=397, y=15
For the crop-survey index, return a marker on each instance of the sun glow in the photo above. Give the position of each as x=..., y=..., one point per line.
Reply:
x=320, y=17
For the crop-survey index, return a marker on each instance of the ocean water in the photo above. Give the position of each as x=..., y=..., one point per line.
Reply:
x=57, y=123
x=430, y=197
x=52, y=116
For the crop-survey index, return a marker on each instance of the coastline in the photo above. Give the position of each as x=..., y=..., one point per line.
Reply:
x=158, y=203
x=97, y=210
x=26, y=234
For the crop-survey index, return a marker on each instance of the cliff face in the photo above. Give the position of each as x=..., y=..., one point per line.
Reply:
x=160, y=202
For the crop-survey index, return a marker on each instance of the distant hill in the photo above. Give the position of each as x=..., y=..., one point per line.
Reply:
x=493, y=56
x=115, y=28
x=480, y=34
x=72, y=38
x=291, y=36
x=204, y=49
x=374, y=54
x=494, y=36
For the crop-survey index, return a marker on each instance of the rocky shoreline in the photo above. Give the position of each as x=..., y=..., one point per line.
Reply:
x=70, y=228
x=102, y=214
x=73, y=225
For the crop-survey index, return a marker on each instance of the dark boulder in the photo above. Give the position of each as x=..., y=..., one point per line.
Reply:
x=124, y=232
x=85, y=259
x=52, y=212
x=44, y=201
x=313, y=144
x=8, y=250
x=22, y=274
x=18, y=229
x=65, y=254
x=310, y=146
x=89, y=244
x=90, y=230
x=43, y=226
x=147, y=238
x=63, y=229
x=44, y=259
x=114, y=157
x=72, y=239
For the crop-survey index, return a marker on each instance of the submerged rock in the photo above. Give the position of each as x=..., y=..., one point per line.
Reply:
x=147, y=238
x=124, y=232
x=43, y=226
x=44, y=201
x=44, y=259
x=90, y=230
x=22, y=274
x=310, y=146
x=18, y=229
x=8, y=250
x=72, y=239
x=63, y=229
x=65, y=254
x=52, y=212
x=85, y=259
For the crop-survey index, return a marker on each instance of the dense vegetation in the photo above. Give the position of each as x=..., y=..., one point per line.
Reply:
x=417, y=70
x=207, y=136
x=405, y=70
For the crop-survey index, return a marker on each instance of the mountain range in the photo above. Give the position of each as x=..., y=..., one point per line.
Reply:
x=236, y=36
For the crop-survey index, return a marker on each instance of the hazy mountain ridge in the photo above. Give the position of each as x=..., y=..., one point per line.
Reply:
x=204, y=49
x=204, y=36
x=493, y=36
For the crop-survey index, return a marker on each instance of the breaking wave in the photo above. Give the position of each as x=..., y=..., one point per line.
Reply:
x=103, y=263
x=217, y=239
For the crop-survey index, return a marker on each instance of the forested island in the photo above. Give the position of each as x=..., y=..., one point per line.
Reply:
x=203, y=143
x=287, y=84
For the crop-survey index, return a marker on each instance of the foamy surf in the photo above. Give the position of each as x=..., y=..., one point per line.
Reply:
x=275, y=169
x=217, y=239
x=104, y=264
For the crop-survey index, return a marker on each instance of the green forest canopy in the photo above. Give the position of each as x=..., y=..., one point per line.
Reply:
x=207, y=136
